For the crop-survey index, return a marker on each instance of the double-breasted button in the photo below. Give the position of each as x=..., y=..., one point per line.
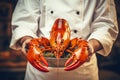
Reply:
x=77, y=12
x=51, y=12
x=75, y=31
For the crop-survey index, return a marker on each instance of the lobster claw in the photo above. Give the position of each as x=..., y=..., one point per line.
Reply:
x=76, y=59
x=35, y=57
x=80, y=54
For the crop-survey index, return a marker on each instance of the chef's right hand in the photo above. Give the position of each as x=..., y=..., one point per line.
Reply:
x=25, y=41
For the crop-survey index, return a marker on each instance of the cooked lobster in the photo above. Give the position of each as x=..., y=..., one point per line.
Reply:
x=58, y=44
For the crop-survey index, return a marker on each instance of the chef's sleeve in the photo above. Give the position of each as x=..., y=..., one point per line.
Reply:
x=104, y=27
x=24, y=20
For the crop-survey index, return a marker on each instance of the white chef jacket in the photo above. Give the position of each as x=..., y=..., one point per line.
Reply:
x=87, y=19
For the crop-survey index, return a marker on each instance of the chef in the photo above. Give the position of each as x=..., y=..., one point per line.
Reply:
x=92, y=20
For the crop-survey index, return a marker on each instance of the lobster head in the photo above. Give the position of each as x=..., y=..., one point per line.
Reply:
x=59, y=37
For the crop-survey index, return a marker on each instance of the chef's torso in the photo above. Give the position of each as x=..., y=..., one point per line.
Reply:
x=78, y=14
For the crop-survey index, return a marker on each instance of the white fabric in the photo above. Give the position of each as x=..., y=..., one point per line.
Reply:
x=92, y=19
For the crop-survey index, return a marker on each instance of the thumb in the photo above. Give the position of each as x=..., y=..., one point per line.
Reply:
x=24, y=45
x=90, y=51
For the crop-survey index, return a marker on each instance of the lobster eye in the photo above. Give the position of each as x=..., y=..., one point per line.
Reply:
x=62, y=41
x=55, y=41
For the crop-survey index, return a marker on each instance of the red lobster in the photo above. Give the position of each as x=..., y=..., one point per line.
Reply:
x=58, y=43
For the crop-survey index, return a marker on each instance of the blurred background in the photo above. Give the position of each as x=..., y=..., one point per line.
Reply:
x=13, y=64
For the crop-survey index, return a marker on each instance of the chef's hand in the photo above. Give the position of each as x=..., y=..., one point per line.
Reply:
x=24, y=42
x=93, y=46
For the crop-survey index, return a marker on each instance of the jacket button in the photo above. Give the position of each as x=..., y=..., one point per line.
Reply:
x=51, y=12
x=75, y=31
x=77, y=12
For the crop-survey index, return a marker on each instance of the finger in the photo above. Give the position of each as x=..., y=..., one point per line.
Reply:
x=90, y=49
x=25, y=46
